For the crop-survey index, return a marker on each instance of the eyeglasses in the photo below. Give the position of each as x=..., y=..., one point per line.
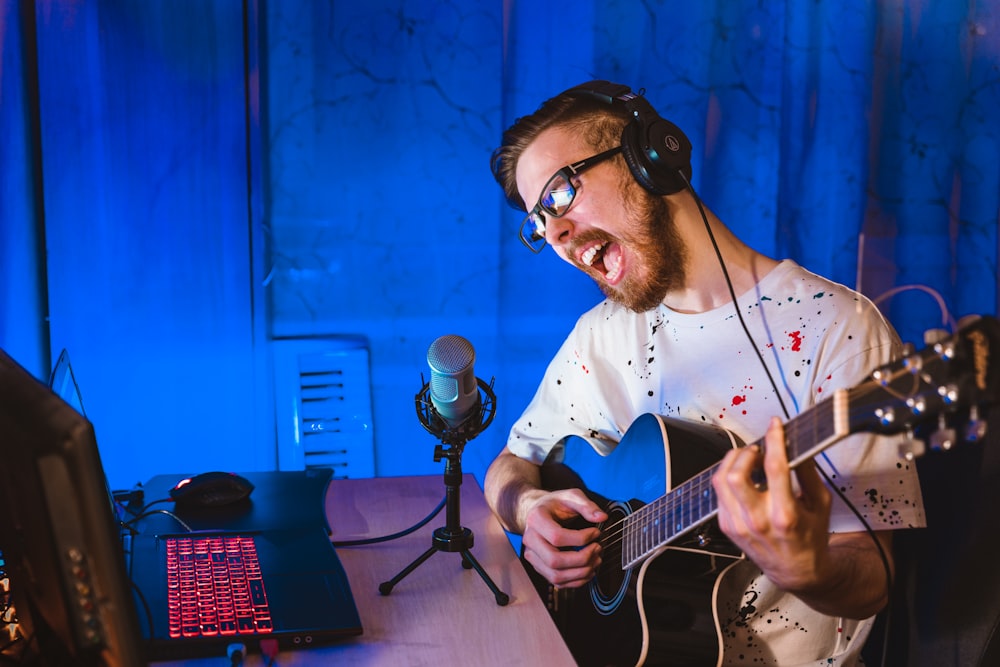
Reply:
x=556, y=198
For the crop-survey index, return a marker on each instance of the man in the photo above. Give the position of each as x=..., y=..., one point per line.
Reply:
x=604, y=180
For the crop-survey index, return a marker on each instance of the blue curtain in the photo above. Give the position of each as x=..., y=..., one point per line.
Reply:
x=858, y=137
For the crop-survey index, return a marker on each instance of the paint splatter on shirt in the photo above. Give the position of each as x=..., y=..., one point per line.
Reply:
x=815, y=337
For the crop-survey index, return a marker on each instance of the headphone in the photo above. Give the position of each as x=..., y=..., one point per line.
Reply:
x=656, y=151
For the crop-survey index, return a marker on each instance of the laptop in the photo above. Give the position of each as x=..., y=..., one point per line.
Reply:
x=236, y=576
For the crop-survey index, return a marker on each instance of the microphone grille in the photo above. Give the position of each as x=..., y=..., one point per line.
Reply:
x=450, y=354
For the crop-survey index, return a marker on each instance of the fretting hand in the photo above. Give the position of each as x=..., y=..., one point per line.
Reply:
x=783, y=530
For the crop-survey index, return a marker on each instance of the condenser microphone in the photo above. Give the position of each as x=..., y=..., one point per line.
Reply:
x=454, y=389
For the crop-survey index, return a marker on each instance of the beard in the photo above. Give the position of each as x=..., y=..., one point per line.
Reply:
x=658, y=254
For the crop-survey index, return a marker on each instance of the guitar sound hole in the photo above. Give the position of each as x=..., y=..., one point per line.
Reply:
x=609, y=587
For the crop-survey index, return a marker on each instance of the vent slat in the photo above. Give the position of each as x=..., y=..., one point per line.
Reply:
x=323, y=396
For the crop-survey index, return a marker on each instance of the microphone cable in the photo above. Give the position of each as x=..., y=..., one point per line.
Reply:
x=386, y=538
x=454, y=437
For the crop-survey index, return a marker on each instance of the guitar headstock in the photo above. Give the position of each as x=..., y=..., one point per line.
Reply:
x=939, y=393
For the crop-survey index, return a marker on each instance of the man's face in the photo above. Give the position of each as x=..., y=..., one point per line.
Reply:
x=617, y=233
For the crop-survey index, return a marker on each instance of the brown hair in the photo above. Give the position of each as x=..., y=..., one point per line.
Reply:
x=598, y=123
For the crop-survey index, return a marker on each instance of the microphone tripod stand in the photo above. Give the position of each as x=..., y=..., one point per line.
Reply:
x=452, y=537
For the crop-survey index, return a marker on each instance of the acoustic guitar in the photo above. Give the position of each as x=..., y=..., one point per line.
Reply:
x=653, y=600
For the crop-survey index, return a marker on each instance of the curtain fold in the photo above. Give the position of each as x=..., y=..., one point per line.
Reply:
x=859, y=138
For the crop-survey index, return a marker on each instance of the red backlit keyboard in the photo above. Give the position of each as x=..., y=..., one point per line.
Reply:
x=214, y=587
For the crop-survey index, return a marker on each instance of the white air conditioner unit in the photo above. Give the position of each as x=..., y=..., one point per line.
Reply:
x=322, y=390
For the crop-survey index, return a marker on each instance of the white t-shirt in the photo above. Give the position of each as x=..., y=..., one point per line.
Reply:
x=816, y=336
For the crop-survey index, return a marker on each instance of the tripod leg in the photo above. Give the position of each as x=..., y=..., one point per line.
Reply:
x=468, y=560
x=386, y=587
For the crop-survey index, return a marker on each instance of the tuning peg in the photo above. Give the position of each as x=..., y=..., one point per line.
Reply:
x=944, y=437
x=966, y=320
x=975, y=428
x=932, y=336
x=945, y=349
x=948, y=393
x=917, y=405
x=911, y=360
x=886, y=416
x=910, y=447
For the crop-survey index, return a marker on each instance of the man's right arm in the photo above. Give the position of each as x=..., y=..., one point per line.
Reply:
x=512, y=485
x=564, y=556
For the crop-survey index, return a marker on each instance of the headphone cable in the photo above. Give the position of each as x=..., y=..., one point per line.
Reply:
x=774, y=385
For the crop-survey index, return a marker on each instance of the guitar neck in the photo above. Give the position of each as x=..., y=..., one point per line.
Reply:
x=693, y=503
x=950, y=377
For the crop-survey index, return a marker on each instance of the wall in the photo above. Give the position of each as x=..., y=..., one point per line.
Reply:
x=140, y=165
x=209, y=175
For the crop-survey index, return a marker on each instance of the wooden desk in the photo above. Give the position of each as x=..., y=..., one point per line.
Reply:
x=441, y=613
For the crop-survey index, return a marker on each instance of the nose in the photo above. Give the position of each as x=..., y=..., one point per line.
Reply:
x=559, y=231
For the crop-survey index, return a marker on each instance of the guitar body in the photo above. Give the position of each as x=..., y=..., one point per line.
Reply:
x=654, y=599
x=662, y=611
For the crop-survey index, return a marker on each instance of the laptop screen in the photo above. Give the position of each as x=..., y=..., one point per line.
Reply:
x=63, y=383
x=58, y=533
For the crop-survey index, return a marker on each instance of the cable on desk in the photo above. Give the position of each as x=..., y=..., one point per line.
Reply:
x=147, y=512
x=385, y=538
x=142, y=602
x=235, y=653
x=269, y=649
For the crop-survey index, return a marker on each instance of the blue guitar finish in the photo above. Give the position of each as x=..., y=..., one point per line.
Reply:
x=654, y=599
x=662, y=609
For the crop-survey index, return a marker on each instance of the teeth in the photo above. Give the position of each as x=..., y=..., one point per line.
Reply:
x=613, y=271
x=589, y=256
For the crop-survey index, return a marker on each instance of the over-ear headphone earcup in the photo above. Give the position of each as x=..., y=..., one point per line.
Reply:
x=657, y=154
x=633, y=153
x=655, y=150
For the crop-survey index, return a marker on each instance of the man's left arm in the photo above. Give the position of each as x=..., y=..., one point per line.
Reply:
x=858, y=581
x=784, y=530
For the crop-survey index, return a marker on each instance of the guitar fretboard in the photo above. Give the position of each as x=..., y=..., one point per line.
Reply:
x=693, y=503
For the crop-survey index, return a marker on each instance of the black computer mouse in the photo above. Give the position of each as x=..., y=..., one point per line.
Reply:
x=211, y=489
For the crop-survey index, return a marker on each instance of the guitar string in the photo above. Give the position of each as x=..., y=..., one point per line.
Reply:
x=612, y=540
x=674, y=502
x=686, y=498
x=693, y=493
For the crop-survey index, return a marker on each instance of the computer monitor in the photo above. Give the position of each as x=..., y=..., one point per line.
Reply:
x=59, y=535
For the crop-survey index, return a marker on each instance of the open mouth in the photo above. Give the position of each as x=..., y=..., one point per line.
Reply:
x=606, y=258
